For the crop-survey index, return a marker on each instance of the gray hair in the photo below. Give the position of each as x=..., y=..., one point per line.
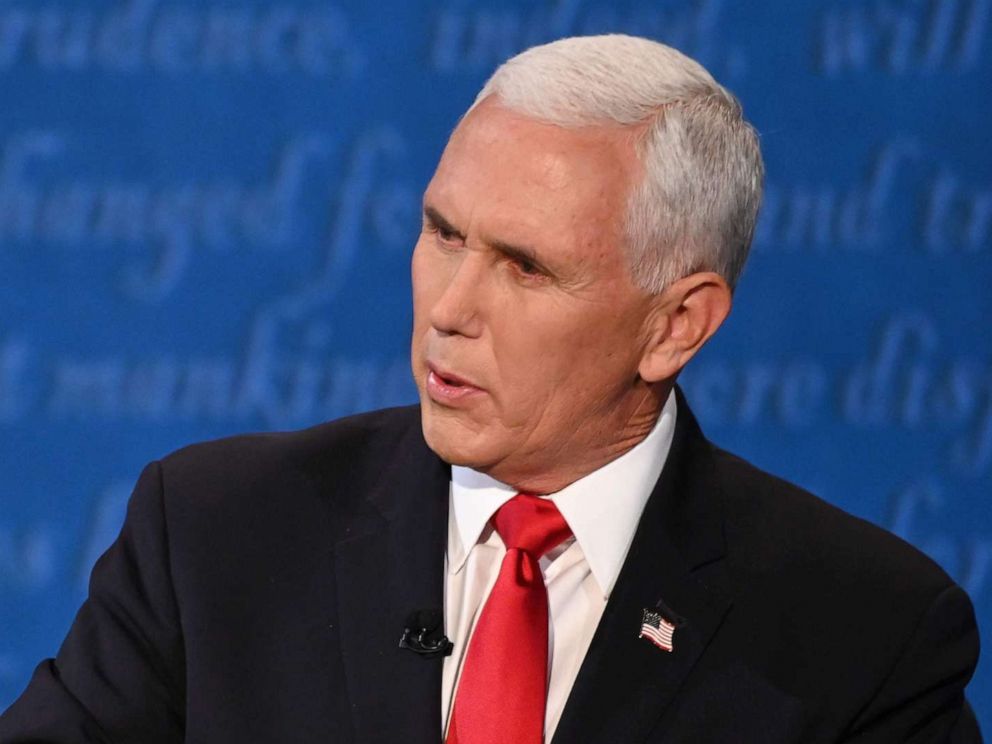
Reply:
x=697, y=205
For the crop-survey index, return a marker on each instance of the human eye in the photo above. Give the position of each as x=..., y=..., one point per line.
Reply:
x=447, y=235
x=526, y=267
x=527, y=271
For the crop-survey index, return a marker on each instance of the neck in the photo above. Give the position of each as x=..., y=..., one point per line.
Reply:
x=604, y=448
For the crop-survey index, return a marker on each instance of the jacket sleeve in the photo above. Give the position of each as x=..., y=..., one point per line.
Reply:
x=119, y=676
x=922, y=698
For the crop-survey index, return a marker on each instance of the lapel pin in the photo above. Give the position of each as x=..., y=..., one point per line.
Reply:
x=658, y=630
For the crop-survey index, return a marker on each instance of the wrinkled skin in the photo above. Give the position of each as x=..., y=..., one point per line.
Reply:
x=523, y=300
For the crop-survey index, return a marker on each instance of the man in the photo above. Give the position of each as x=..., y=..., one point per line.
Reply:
x=603, y=573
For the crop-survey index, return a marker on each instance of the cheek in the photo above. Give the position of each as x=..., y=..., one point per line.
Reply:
x=534, y=350
x=419, y=276
x=550, y=355
x=422, y=280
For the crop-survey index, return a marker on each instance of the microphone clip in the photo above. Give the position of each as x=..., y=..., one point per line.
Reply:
x=423, y=635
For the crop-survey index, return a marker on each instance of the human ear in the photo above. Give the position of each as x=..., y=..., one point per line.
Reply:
x=686, y=314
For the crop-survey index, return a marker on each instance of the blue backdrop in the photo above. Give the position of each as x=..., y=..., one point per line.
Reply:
x=207, y=211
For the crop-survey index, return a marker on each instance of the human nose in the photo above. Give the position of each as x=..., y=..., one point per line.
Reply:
x=457, y=310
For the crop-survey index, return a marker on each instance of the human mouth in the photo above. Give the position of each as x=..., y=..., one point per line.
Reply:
x=448, y=388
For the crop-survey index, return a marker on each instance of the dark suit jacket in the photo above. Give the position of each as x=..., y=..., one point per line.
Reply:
x=259, y=588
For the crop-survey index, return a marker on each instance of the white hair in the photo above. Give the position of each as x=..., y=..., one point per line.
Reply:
x=697, y=205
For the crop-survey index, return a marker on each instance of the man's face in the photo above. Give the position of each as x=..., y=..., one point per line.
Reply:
x=528, y=330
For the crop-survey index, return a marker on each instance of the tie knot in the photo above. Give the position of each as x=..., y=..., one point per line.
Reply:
x=531, y=524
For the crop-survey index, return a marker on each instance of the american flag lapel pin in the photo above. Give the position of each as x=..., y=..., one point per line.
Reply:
x=657, y=629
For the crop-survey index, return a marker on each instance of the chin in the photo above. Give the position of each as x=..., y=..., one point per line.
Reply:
x=451, y=440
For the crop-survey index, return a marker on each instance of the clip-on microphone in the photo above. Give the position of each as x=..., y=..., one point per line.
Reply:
x=423, y=634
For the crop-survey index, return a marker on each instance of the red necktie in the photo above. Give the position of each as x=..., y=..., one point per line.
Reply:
x=502, y=691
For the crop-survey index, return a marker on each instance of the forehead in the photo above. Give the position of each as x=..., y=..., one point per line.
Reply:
x=509, y=177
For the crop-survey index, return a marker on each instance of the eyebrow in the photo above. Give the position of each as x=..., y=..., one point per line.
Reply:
x=516, y=252
x=438, y=220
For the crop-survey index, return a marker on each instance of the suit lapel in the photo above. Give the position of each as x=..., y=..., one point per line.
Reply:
x=389, y=562
x=625, y=682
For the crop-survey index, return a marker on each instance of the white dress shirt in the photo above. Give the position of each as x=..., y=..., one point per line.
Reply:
x=602, y=509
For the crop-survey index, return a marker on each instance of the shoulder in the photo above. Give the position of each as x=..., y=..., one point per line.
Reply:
x=823, y=589
x=781, y=528
x=350, y=441
x=274, y=475
x=243, y=504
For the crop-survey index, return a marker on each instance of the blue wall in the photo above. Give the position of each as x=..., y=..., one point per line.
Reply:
x=207, y=211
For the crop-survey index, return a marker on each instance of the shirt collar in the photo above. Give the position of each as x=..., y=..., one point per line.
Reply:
x=475, y=497
x=602, y=508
